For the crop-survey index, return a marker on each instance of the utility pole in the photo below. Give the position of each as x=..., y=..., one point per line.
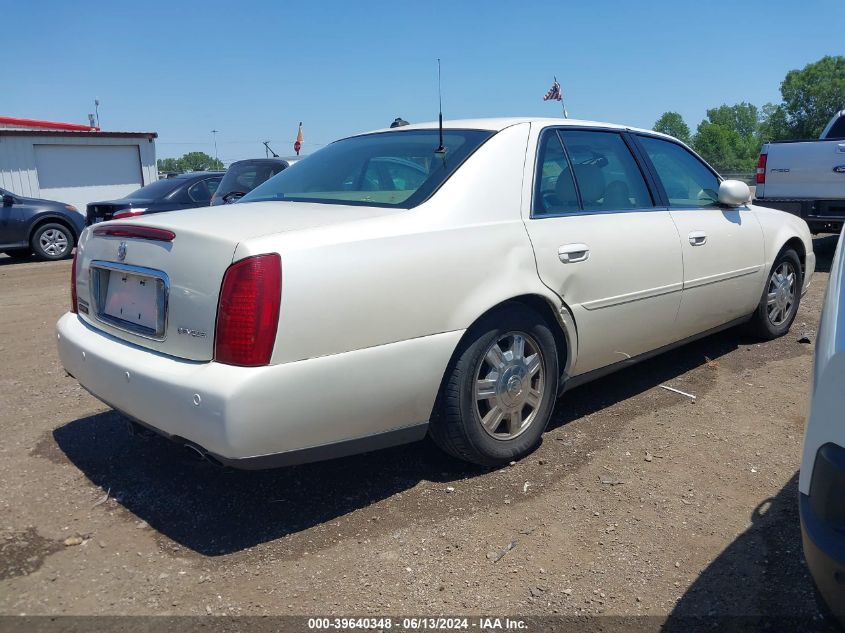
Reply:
x=214, y=135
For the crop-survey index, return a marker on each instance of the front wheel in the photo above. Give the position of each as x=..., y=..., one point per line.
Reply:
x=781, y=297
x=52, y=242
x=499, y=391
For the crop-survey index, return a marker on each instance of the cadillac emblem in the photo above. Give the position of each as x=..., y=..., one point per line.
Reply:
x=121, y=251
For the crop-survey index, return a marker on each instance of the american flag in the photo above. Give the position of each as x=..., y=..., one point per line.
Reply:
x=554, y=93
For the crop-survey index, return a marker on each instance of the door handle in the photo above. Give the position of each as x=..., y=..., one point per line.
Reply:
x=841, y=148
x=573, y=253
x=698, y=238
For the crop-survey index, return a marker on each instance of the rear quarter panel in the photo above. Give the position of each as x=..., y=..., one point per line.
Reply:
x=432, y=269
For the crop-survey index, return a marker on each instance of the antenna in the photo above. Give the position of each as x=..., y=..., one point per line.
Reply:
x=267, y=149
x=440, y=149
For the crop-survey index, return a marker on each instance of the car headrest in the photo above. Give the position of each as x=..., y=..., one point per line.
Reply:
x=590, y=182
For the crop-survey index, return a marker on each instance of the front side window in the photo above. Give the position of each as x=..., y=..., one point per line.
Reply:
x=688, y=182
x=387, y=169
x=606, y=172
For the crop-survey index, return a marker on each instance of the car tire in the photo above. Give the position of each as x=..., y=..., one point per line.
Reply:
x=781, y=297
x=18, y=253
x=52, y=242
x=495, y=400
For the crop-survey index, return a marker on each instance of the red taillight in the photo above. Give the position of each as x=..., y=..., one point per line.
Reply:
x=127, y=213
x=131, y=230
x=248, y=311
x=73, y=307
x=761, y=169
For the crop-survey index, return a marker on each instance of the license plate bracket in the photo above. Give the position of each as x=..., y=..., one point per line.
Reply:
x=130, y=298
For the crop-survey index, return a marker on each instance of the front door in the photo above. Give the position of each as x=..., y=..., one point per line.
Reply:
x=13, y=221
x=602, y=246
x=722, y=247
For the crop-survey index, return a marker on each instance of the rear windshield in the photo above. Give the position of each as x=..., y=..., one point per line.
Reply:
x=244, y=177
x=155, y=190
x=837, y=130
x=387, y=169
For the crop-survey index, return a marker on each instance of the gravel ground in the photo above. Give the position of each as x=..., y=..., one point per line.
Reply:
x=639, y=501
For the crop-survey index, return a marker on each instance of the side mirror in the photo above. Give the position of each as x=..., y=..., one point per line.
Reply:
x=734, y=193
x=8, y=200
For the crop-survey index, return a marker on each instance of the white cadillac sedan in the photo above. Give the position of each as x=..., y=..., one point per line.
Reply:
x=398, y=283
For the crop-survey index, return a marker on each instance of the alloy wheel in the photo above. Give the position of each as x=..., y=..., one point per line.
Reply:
x=53, y=242
x=780, y=298
x=509, y=385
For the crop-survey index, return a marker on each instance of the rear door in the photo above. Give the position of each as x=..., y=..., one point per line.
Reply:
x=722, y=247
x=602, y=244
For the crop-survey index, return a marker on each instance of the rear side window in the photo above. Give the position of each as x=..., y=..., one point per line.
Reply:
x=554, y=190
x=688, y=182
x=606, y=172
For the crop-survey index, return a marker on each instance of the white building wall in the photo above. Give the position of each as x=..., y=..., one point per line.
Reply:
x=18, y=167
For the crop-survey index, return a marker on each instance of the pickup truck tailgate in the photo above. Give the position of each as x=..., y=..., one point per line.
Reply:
x=805, y=169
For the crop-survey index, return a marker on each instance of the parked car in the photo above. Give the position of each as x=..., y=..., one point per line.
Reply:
x=47, y=228
x=182, y=191
x=822, y=480
x=806, y=178
x=346, y=311
x=245, y=175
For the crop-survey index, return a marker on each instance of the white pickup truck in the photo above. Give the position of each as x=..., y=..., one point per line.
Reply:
x=806, y=178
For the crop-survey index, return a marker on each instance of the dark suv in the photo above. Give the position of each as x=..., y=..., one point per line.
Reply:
x=245, y=175
x=183, y=191
x=47, y=228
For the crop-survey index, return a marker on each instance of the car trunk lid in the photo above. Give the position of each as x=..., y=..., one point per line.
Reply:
x=161, y=292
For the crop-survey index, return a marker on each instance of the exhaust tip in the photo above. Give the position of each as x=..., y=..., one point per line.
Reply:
x=195, y=451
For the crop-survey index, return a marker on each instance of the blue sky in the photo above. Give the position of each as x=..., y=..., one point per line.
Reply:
x=254, y=70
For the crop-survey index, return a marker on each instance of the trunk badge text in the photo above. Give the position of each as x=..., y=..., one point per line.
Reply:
x=190, y=332
x=121, y=251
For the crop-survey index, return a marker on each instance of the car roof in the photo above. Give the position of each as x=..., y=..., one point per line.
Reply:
x=260, y=161
x=499, y=124
x=196, y=174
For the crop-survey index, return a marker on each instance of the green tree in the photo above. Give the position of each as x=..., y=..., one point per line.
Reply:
x=199, y=161
x=775, y=123
x=168, y=165
x=729, y=138
x=673, y=124
x=812, y=95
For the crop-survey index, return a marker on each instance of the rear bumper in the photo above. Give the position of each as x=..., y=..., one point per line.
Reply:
x=259, y=417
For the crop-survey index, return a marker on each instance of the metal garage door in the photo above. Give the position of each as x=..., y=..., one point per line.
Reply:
x=79, y=174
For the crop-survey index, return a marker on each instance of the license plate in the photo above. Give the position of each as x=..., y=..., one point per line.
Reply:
x=130, y=298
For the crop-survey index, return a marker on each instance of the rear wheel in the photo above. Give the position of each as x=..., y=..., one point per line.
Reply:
x=52, y=242
x=781, y=297
x=499, y=390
